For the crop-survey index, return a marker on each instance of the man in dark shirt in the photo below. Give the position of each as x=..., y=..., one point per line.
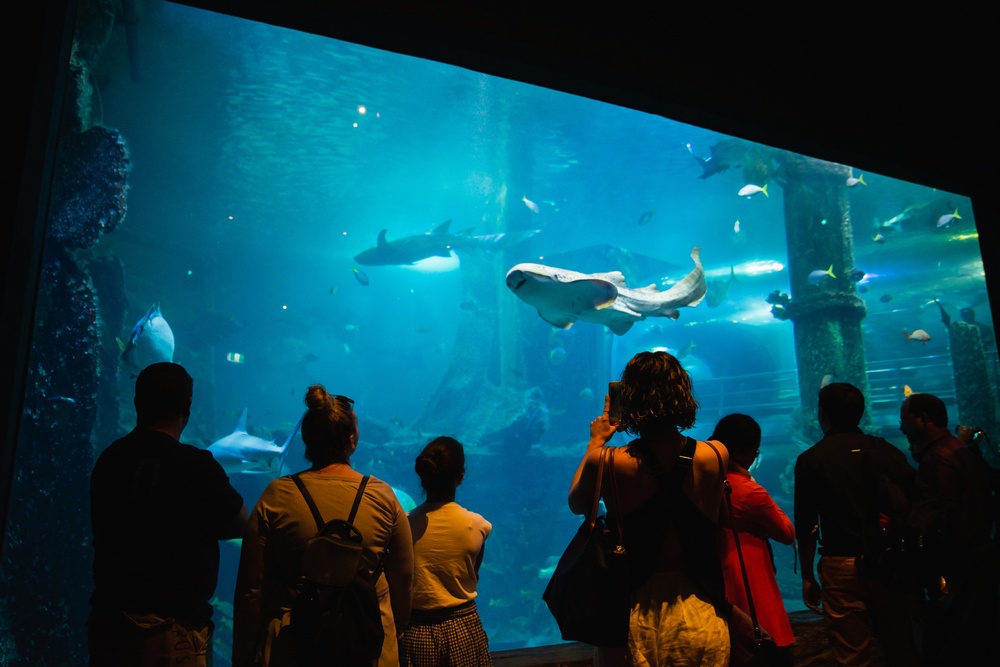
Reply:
x=963, y=610
x=158, y=510
x=833, y=486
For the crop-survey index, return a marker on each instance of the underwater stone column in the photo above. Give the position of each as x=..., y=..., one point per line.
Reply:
x=974, y=393
x=826, y=312
x=46, y=563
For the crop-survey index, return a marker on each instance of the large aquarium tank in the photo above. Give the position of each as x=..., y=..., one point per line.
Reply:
x=462, y=255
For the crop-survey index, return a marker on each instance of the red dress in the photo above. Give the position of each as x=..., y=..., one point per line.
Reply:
x=757, y=518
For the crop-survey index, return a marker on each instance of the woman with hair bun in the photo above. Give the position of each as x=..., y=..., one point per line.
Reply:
x=448, y=546
x=281, y=523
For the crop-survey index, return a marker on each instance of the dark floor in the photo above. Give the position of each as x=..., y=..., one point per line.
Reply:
x=811, y=649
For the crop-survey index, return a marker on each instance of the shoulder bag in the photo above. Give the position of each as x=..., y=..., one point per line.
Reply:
x=749, y=647
x=588, y=593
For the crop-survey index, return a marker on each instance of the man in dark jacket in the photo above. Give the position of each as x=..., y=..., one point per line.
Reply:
x=158, y=510
x=963, y=609
x=832, y=507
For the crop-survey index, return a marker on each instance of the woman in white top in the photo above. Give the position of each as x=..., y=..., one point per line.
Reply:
x=448, y=544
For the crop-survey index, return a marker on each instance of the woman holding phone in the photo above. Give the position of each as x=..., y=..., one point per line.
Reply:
x=670, y=492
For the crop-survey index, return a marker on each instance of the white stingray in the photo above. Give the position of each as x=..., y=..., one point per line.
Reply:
x=562, y=297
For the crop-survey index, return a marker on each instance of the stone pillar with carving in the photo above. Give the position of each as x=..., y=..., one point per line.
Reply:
x=824, y=305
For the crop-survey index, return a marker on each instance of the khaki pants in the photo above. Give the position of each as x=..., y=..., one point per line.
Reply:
x=857, y=609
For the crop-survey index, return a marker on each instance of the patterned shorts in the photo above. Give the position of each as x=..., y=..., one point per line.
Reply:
x=446, y=637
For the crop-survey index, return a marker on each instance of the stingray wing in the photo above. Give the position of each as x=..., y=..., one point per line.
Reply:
x=565, y=302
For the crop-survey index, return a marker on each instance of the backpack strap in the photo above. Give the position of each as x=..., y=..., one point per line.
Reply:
x=357, y=498
x=315, y=510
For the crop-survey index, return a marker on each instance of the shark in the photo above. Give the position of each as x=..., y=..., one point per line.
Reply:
x=718, y=290
x=240, y=453
x=562, y=297
x=723, y=155
x=439, y=242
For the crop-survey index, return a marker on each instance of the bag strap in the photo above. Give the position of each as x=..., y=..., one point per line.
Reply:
x=315, y=510
x=757, y=634
x=592, y=517
x=614, y=495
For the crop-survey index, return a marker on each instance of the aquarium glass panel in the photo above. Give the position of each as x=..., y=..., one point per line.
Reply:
x=461, y=254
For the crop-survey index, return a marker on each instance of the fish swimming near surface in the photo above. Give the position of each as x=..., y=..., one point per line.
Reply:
x=723, y=155
x=151, y=342
x=919, y=335
x=718, y=290
x=751, y=190
x=562, y=297
x=240, y=453
x=860, y=180
x=438, y=243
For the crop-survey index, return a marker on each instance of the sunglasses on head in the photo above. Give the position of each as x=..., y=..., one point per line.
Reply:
x=346, y=399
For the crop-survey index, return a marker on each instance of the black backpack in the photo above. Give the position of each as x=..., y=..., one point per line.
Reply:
x=335, y=617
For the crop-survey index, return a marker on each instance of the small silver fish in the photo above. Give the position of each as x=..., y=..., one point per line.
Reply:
x=819, y=275
x=750, y=190
x=948, y=218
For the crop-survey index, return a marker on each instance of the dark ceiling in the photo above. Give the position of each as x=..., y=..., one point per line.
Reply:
x=904, y=95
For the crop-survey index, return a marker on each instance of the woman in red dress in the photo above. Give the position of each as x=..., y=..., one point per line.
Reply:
x=757, y=518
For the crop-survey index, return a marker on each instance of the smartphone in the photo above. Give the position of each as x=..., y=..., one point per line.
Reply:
x=615, y=402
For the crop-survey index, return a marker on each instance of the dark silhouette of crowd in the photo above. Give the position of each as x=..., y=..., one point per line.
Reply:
x=701, y=577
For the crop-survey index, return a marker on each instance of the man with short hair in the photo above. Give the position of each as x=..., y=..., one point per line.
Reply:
x=832, y=507
x=963, y=610
x=158, y=509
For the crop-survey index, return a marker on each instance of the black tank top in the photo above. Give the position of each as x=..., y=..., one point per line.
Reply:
x=646, y=526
